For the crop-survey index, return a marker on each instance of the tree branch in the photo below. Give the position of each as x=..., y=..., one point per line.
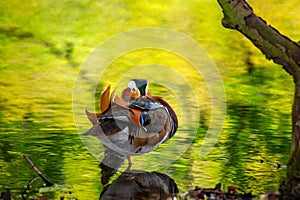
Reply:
x=240, y=16
x=48, y=183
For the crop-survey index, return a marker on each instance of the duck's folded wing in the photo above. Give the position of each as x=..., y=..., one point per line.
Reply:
x=109, y=123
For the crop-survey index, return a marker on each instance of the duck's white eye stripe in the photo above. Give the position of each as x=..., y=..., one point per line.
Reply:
x=131, y=85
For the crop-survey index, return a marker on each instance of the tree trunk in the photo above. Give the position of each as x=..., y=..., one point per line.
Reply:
x=239, y=15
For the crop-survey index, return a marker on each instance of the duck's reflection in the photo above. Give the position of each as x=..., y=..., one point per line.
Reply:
x=133, y=184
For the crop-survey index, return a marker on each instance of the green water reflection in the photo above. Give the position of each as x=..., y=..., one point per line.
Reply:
x=41, y=46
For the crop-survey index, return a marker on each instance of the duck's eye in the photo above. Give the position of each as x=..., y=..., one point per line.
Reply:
x=133, y=89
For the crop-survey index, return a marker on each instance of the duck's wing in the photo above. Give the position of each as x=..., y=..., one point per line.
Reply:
x=113, y=117
x=110, y=122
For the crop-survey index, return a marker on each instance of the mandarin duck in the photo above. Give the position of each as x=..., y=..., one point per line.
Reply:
x=133, y=124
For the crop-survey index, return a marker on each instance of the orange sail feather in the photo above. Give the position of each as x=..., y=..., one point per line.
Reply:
x=105, y=99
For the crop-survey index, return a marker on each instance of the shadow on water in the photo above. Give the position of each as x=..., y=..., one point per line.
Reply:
x=137, y=184
x=134, y=184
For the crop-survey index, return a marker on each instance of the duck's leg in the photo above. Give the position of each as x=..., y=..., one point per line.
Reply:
x=129, y=163
x=129, y=160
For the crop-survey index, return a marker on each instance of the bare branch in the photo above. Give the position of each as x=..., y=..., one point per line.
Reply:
x=240, y=16
x=48, y=183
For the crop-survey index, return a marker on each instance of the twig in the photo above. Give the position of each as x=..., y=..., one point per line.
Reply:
x=28, y=185
x=46, y=181
x=277, y=165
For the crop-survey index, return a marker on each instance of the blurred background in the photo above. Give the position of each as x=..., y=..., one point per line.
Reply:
x=43, y=44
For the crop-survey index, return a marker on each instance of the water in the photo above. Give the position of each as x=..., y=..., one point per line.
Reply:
x=47, y=134
x=39, y=118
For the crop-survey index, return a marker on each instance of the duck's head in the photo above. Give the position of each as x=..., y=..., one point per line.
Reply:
x=138, y=87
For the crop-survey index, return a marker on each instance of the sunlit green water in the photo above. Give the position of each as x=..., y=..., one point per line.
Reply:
x=42, y=46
